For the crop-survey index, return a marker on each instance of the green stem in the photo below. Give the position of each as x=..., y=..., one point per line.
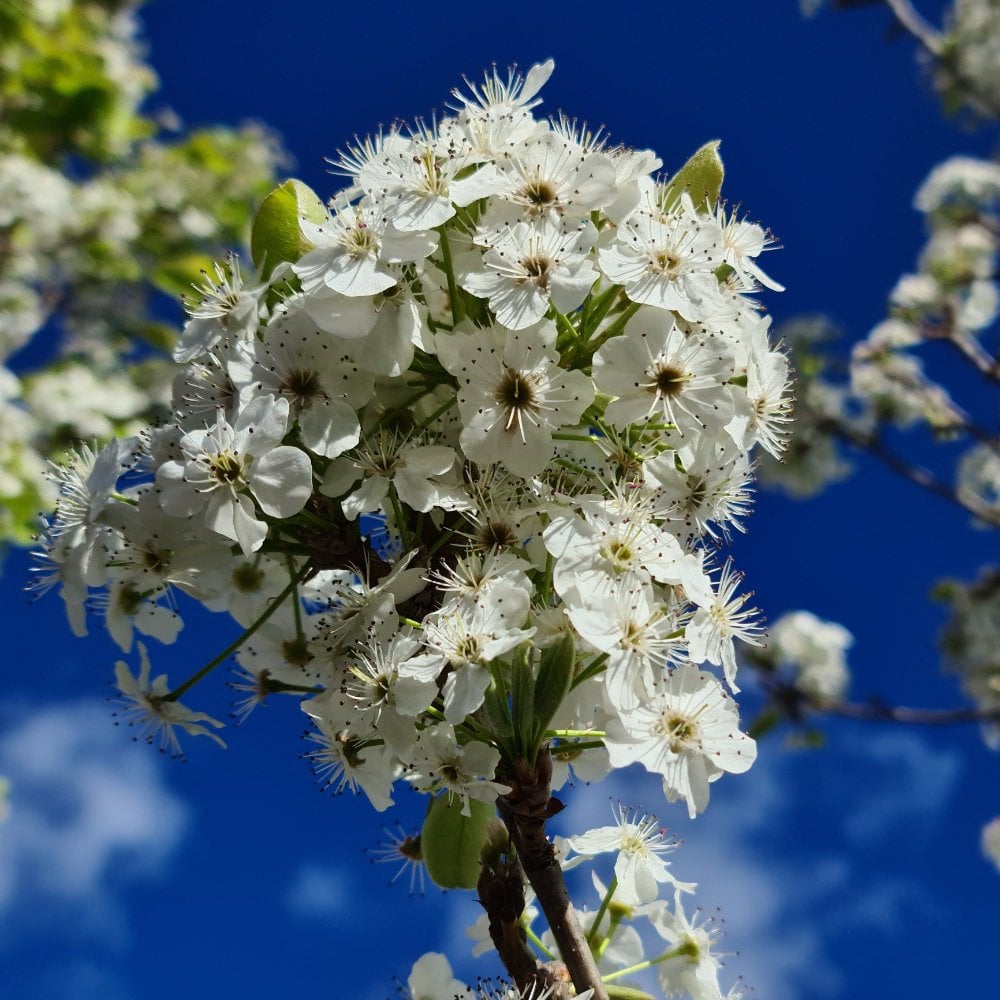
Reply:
x=449, y=270
x=616, y=919
x=614, y=329
x=537, y=942
x=594, y=931
x=443, y=408
x=576, y=747
x=296, y=603
x=236, y=643
x=566, y=734
x=648, y=964
x=397, y=510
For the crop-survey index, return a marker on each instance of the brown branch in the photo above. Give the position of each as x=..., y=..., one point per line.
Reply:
x=501, y=892
x=919, y=476
x=524, y=810
x=794, y=703
x=875, y=711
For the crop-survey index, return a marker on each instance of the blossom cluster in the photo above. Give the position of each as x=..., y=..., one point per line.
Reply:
x=502, y=398
x=99, y=206
x=951, y=301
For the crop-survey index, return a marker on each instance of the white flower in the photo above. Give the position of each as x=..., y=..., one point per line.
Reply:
x=688, y=732
x=223, y=464
x=86, y=483
x=693, y=967
x=815, y=648
x=528, y=265
x=711, y=631
x=742, y=241
x=711, y=485
x=638, y=633
x=345, y=758
x=293, y=362
x=619, y=542
x=353, y=250
x=439, y=763
x=551, y=176
x=228, y=309
x=656, y=368
x=464, y=639
x=414, y=182
x=145, y=705
x=431, y=979
x=412, y=470
x=667, y=261
x=990, y=841
x=512, y=394
x=639, y=868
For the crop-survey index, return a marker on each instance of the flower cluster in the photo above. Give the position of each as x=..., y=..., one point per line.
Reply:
x=459, y=457
x=951, y=299
x=504, y=397
x=99, y=207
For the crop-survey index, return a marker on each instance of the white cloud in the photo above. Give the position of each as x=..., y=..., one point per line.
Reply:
x=908, y=777
x=89, y=813
x=318, y=891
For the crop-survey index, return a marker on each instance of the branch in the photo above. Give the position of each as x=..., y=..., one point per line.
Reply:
x=975, y=354
x=875, y=711
x=933, y=42
x=921, y=477
x=791, y=701
x=501, y=892
x=524, y=810
x=914, y=23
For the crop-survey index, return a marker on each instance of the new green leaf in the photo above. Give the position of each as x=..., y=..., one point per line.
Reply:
x=451, y=843
x=276, y=235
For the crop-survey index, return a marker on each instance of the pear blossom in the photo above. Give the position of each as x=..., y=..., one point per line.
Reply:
x=657, y=368
x=513, y=394
x=693, y=965
x=229, y=309
x=667, y=261
x=459, y=480
x=223, y=466
x=439, y=763
x=712, y=628
x=354, y=247
x=526, y=266
x=639, y=842
x=431, y=979
x=687, y=732
x=145, y=703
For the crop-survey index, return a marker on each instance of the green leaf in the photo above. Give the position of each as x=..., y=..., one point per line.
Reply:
x=276, y=236
x=555, y=677
x=176, y=275
x=522, y=690
x=451, y=843
x=701, y=177
x=626, y=993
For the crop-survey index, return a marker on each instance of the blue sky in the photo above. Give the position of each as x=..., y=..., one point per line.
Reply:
x=848, y=872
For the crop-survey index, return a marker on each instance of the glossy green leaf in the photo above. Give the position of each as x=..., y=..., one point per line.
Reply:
x=555, y=676
x=451, y=843
x=701, y=177
x=276, y=235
